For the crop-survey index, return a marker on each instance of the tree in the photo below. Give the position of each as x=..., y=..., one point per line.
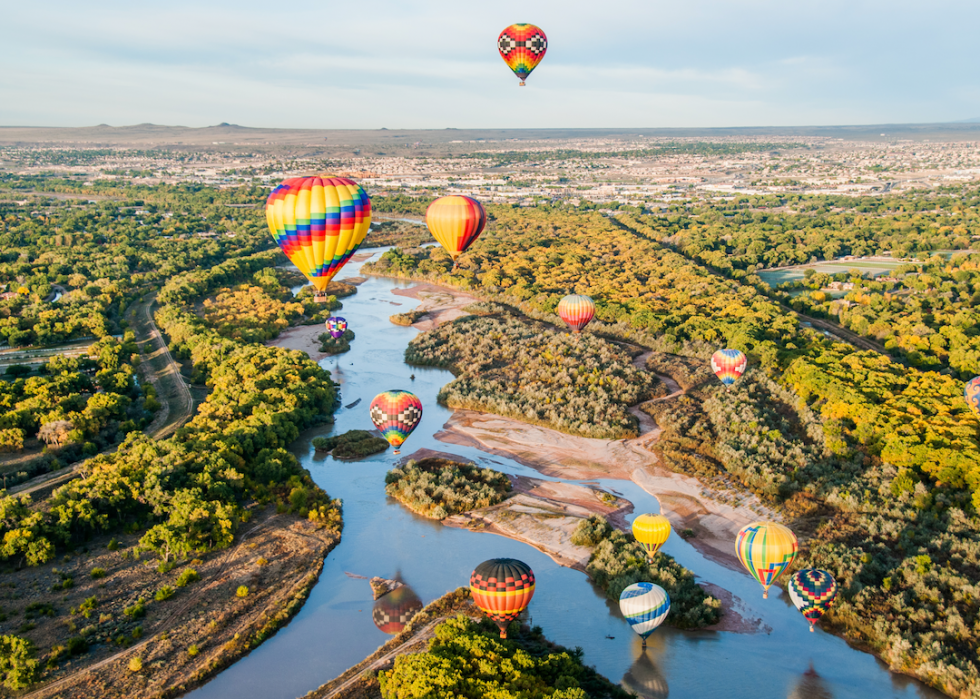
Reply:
x=17, y=664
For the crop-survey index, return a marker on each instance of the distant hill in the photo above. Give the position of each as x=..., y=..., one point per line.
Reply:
x=400, y=142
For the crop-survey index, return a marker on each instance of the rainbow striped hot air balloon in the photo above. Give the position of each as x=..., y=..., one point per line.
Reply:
x=576, y=310
x=728, y=365
x=766, y=549
x=522, y=46
x=502, y=588
x=336, y=326
x=645, y=607
x=812, y=592
x=651, y=531
x=972, y=394
x=396, y=414
x=455, y=222
x=319, y=222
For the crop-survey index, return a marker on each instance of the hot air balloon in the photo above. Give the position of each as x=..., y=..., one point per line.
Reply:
x=812, y=592
x=728, y=365
x=336, y=326
x=396, y=413
x=645, y=607
x=522, y=46
x=576, y=311
x=393, y=611
x=972, y=394
x=502, y=588
x=319, y=222
x=766, y=549
x=651, y=531
x=455, y=222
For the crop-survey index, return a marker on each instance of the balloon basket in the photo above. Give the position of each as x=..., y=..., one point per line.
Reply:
x=397, y=451
x=644, y=642
x=811, y=628
x=320, y=297
x=522, y=83
x=765, y=594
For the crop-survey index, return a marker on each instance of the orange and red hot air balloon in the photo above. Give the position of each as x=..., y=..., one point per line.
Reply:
x=576, y=310
x=502, y=588
x=522, y=46
x=456, y=222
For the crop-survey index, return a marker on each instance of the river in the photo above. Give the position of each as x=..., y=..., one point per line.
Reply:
x=335, y=629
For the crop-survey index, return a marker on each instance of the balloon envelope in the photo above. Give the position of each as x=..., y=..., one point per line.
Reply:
x=336, y=326
x=455, y=222
x=522, y=46
x=319, y=222
x=576, y=310
x=502, y=588
x=766, y=549
x=812, y=591
x=651, y=531
x=392, y=612
x=396, y=414
x=972, y=394
x=645, y=606
x=728, y=365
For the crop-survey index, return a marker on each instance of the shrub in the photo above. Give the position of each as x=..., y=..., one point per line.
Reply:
x=164, y=593
x=135, y=664
x=137, y=610
x=193, y=650
x=77, y=645
x=97, y=573
x=113, y=544
x=242, y=591
x=187, y=576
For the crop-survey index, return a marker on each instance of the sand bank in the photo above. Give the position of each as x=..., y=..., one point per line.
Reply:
x=302, y=338
x=440, y=304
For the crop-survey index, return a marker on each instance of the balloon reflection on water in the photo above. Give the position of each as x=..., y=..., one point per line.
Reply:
x=393, y=611
x=645, y=679
x=810, y=686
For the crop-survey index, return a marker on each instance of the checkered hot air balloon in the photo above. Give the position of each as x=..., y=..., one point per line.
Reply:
x=766, y=549
x=972, y=394
x=812, y=592
x=396, y=414
x=502, y=588
x=456, y=222
x=645, y=606
x=319, y=222
x=652, y=531
x=336, y=326
x=576, y=310
x=728, y=365
x=522, y=46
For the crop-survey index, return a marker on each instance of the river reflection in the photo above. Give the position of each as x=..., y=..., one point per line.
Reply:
x=337, y=627
x=644, y=677
x=392, y=612
x=810, y=686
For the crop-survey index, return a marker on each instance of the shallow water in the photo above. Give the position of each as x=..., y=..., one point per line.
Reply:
x=335, y=628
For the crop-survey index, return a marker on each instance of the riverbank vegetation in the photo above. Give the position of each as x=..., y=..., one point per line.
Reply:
x=618, y=561
x=524, y=369
x=437, y=488
x=872, y=461
x=353, y=444
x=468, y=659
x=176, y=499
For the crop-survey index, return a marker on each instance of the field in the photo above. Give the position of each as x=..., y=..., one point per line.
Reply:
x=875, y=266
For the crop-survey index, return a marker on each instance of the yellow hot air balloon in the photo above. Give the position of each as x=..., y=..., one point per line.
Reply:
x=319, y=222
x=651, y=531
x=766, y=549
x=455, y=222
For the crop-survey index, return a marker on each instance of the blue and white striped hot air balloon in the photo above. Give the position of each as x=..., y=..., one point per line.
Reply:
x=645, y=607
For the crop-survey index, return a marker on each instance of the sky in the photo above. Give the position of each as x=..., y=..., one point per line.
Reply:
x=434, y=63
